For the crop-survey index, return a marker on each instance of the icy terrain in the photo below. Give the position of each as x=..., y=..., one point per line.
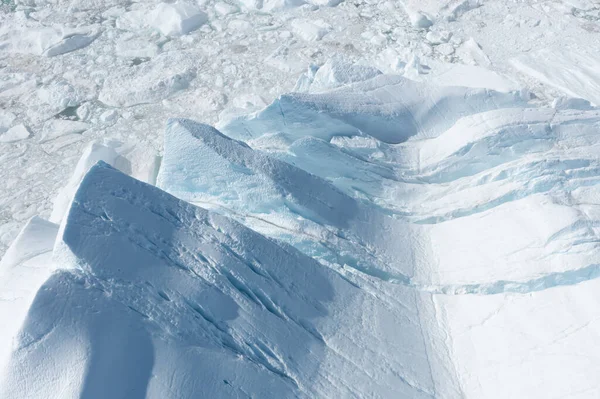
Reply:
x=314, y=199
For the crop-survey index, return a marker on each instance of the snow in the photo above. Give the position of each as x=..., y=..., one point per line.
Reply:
x=399, y=199
x=310, y=30
x=572, y=72
x=15, y=133
x=55, y=128
x=186, y=289
x=393, y=110
x=49, y=42
x=176, y=19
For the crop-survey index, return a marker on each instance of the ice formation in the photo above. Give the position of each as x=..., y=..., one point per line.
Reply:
x=383, y=238
x=417, y=217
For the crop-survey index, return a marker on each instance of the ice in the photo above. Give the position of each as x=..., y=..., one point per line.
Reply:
x=153, y=81
x=417, y=217
x=56, y=128
x=23, y=269
x=47, y=41
x=574, y=73
x=501, y=210
x=184, y=289
x=561, y=326
x=15, y=133
x=310, y=30
x=393, y=111
x=176, y=19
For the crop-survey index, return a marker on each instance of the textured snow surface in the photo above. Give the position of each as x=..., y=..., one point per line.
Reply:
x=397, y=199
x=185, y=290
x=364, y=262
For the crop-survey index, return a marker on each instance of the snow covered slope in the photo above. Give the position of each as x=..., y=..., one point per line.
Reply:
x=155, y=297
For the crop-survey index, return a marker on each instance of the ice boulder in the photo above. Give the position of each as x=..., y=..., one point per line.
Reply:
x=176, y=19
x=334, y=73
x=15, y=133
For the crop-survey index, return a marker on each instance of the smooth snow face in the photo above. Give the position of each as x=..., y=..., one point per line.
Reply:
x=571, y=72
x=23, y=269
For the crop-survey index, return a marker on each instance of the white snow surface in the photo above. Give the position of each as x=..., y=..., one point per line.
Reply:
x=398, y=199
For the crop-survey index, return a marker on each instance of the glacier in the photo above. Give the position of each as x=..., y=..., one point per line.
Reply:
x=366, y=236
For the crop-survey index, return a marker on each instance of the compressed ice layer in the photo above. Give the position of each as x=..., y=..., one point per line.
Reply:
x=394, y=110
x=447, y=262
x=203, y=166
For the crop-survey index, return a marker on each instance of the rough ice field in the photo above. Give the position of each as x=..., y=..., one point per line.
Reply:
x=432, y=242
x=81, y=71
x=416, y=217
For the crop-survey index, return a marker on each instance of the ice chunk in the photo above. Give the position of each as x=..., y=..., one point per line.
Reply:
x=470, y=52
x=91, y=155
x=176, y=19
x=336, y=72
x=61, y=127
x=310, y=30
x=223, y=8
x=15, y=133
x=419, y=19
x=6, y=120
x=150, y=82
